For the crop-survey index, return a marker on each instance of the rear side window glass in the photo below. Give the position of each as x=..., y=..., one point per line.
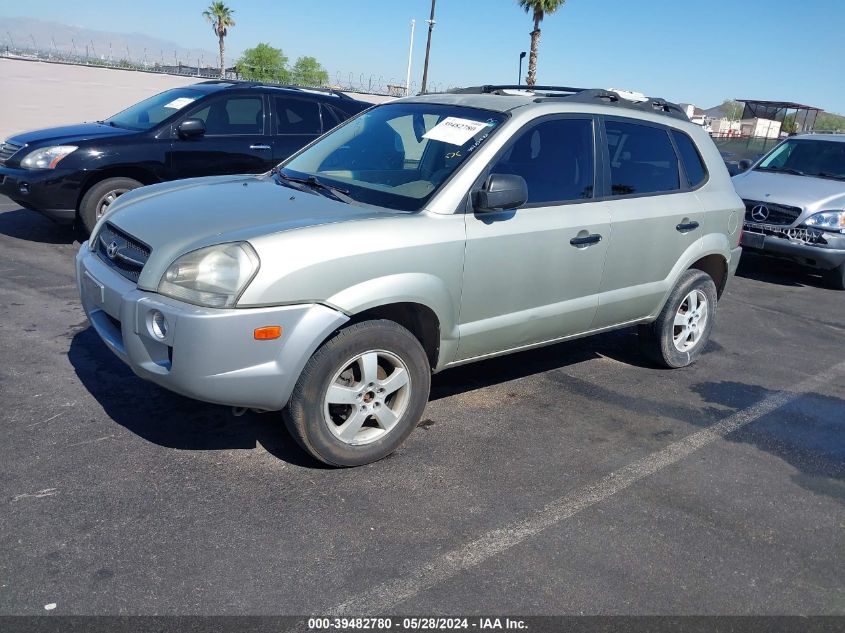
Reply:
x=297, y=116
x=555, y=158
x=330, y=116
x=337, y=113
x=691, y=159
x=642, y=159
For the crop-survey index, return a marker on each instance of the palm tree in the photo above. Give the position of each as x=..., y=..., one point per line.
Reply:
x=221, y=20
x=539, y=9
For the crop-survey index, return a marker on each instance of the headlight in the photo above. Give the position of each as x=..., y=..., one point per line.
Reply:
x=46, y=157
x=213, y=276
x=832, y=220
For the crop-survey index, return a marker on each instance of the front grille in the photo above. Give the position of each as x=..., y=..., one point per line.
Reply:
x=122, y=252
x=7, y=150
x=802, y=235
x=770, y=213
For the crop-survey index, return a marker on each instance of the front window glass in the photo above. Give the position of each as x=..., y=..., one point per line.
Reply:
x=232, y=116
x=807, y=157
x=150, y=112
x=396, y=155
x=555, y=158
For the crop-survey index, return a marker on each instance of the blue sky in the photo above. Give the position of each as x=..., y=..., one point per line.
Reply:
x=683, y=50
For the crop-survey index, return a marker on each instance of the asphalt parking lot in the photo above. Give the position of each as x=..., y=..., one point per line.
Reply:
x=572, y=480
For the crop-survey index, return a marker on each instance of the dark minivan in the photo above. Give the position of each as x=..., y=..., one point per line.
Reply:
x=210, y=128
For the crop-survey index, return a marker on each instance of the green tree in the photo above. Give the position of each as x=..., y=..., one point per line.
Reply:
x=220, y=17
x=264, y=63
x=789, y=125
x=732, y=109
x=307, y=71
x=829, y=122
x=538, y=9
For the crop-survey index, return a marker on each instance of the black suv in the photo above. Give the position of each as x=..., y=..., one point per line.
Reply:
x=207, y=129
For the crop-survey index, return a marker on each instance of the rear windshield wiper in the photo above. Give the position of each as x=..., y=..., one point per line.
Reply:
x=313, y=183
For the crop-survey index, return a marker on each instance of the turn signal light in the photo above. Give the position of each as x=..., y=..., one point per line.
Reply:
x=268, y=333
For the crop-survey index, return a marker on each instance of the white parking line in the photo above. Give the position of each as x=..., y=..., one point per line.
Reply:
x=382, y=597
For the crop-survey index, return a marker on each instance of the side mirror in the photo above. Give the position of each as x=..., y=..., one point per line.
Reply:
x=745, y=164
x=191, y=128
x=501, y=191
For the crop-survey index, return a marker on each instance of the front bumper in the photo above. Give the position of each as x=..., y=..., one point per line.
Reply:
x=208, y=354
x=768, y=241
x=52, y=192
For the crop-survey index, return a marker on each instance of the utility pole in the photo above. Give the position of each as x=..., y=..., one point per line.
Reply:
x=410, y=54
x=428, y=47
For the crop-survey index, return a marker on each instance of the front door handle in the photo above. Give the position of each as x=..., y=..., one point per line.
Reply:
x=259, y=146
x=585, y=240
x=686, y=227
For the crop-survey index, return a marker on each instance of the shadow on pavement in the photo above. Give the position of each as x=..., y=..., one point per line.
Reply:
x=173, y=421
x=778, y=271
x=620, y=345
x=24, y=224
x=808, y=433
x=170, y=420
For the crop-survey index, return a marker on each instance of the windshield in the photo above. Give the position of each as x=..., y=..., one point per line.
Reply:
x=396, y=155
x=807, y=157
x=152, y=111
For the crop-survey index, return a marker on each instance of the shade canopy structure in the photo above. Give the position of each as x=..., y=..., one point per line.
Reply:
x=805, y=116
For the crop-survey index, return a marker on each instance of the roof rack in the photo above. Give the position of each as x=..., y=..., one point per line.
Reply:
x=242, y=83
x=582, y=95
x=500, y=89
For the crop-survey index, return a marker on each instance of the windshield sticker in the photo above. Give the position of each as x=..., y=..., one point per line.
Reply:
x=178, y=104
x=454, y=130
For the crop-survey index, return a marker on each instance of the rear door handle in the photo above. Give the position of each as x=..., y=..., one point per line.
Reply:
x=585, y=240
x=686, y=227
x=259, y=146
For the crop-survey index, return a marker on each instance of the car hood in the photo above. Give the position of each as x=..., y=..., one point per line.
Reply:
x=179, y=217
x=68, y=134
x=808, y=193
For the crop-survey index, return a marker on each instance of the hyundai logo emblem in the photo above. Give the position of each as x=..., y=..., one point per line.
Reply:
x=760, y=213
x=111, y=250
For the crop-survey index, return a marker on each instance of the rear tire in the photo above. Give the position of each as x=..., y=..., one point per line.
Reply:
x=98, y=198
x=681, y=332
x=836, y=277
x=360, y=395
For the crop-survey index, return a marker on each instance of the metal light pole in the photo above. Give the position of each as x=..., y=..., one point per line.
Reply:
x=410, y=54
x=428, y=47
x=519, y=77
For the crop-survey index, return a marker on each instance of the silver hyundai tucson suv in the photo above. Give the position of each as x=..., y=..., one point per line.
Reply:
x=795, y=204
x=422, y=234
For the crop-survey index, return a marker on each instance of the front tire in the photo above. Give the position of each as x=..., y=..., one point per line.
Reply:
x=836, y=277
x=681, y=332
x=98, y=198
x=360, y=395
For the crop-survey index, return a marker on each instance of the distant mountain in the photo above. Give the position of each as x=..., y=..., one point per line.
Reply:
x=62, y=39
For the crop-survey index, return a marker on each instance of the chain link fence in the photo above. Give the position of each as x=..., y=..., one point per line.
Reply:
x=735, y=149
x=175, y=64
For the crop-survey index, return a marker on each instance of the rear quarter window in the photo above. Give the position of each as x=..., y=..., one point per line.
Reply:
x=690, y=158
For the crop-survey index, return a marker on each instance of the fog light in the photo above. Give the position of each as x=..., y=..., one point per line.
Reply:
x=158, y=324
